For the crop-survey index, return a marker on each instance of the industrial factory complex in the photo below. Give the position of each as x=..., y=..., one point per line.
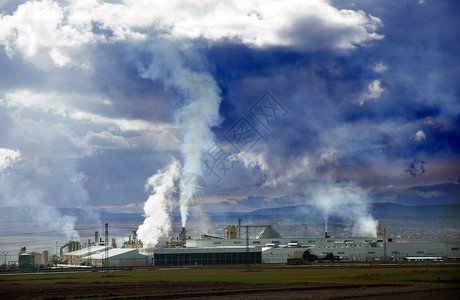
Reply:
x=238, y=247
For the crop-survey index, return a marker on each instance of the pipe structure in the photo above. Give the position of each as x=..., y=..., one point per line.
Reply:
x=61, y=250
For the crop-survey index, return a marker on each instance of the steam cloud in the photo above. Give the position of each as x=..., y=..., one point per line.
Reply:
x=348, y=202
x=195, y=119
x=158, y=206
x=15, y=191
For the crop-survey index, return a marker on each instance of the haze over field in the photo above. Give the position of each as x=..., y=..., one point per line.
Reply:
x=169, y=107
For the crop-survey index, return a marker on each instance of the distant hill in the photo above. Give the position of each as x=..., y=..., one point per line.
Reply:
x=297, y=213
x=377, y=210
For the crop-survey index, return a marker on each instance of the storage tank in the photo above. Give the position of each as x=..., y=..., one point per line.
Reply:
x=25, y=261
x=45, y=255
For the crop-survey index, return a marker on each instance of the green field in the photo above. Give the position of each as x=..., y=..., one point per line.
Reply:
x=238, y=280
x=346, y=275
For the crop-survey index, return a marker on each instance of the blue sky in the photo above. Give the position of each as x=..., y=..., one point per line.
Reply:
x=98, y=96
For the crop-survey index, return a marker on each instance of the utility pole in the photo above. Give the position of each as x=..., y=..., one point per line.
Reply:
x=106, y=247
x=5, y=253
x=384, y=244
x=247, y=249
x=239, y=228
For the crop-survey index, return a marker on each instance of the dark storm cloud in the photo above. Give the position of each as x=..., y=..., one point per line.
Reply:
x=313, y=33
x=375, y=106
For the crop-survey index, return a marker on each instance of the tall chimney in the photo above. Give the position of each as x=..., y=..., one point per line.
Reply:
x=325, y=228
x=183, y=235
x=96, y=237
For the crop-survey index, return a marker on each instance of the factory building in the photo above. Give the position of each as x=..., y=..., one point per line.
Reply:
x=267, y=246
x=138, y=257
x=352, y=249
x=118, y=257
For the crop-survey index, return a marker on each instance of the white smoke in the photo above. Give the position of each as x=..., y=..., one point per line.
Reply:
x=200, y=112
x=348, y=202
x=15, y=191
x=157, y=221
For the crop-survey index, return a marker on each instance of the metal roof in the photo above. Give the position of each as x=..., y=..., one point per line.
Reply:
x=269, y=233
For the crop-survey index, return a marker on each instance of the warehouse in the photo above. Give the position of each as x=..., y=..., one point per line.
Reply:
x=117, y=257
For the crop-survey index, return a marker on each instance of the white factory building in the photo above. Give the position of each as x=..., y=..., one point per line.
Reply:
x=268, y=247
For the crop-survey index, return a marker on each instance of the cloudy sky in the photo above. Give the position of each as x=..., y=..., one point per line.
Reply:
x=284, y=102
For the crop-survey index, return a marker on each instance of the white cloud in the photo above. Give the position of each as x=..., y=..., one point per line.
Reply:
x=59, y=58
x=65, y=105
x=95, y=131
x=53, y=26
x=374, y=90
x=32, y=26
x=8, y=158
x=268, y=23
x=420, y=136
x=380, y=68
x=93, y=141
x=278, y=173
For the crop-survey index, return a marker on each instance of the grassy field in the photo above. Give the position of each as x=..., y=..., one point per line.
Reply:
x=374, y=274
x=276, y=277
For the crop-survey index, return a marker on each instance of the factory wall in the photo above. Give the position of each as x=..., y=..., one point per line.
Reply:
x=312, y=242
x=206, y=256
x=362, y=252
x=124, y=262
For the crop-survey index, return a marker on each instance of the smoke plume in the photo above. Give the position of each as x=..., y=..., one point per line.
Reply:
x=18, y=192
x=348, y=202
x=157, y=221
x=200, y=111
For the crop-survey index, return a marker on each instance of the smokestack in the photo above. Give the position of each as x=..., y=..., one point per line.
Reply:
x=183, y=235
x=325, y=229
x=96, y=237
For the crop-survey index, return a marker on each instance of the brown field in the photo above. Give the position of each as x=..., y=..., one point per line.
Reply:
x=331, y=281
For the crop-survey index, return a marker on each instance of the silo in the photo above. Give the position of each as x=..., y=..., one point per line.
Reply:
x=36, y=259
x=45, y=255
x=25, y=261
